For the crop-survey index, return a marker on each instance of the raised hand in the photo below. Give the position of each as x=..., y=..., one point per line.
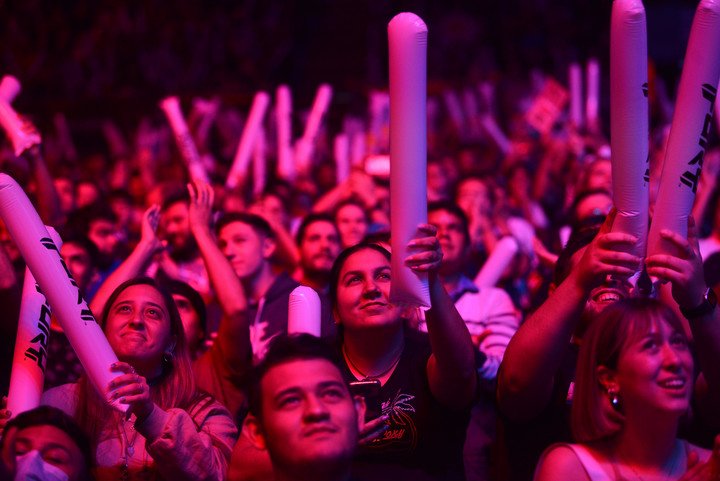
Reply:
x=684, y=271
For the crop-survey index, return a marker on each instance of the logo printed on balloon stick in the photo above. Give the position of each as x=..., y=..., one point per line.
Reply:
x=39, y=355
x=691, y=178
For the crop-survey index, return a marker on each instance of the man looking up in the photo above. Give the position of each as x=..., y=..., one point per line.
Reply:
x=302, y=412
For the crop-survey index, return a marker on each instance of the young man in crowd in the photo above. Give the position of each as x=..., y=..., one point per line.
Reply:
x=318, y=240
x=302, y=412
x=491, y=318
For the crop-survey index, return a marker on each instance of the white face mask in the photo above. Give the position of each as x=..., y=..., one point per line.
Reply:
x=32, y=467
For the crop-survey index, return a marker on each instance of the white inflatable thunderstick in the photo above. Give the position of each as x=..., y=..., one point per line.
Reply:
x=690, y=129
x=629, y=128
x=407, y=36
x=248, y=139
x=43, y=259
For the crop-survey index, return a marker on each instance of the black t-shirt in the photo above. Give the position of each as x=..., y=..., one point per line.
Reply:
x=424, y=439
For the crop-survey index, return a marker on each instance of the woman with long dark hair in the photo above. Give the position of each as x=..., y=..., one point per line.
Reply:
x=170, y=431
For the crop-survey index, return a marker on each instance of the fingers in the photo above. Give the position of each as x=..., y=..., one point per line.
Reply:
x=607, y=225
x=373, y=430
x=122, y=367
x=152, y=216
x=678, y=241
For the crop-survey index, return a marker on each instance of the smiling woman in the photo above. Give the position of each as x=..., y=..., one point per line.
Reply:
x=422, y=385
x=171, y=431
x=633, y=384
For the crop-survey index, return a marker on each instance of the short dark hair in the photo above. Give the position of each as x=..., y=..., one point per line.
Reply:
x=258, y=224
x=52, y=416
x=186, y=290
x=284, y=349
x=578, y=239
x=174, y=196
x=311, y=219
x=82, y=219
x=454, y=209
x=340, y=262
x=85, y=243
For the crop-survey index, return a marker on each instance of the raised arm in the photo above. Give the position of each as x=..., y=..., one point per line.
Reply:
x=526, y=376
x=136, y=262
x=685, y=274
x=233, y=332
x=451, y=367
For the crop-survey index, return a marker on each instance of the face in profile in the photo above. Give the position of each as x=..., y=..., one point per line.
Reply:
x=138, y=327
x=246, y=250
x=363, y=292
x=308, y=416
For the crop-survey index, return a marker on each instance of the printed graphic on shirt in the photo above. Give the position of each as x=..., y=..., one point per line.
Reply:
x=401, y=434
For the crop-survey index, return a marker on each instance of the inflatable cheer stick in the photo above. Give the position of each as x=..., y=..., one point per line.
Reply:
x=306, y=144
x=304, y=311
x=30, y=358
x=629, y=120
x=9, y=88
x=592, y=103
x=185, y=143
x=283, y=119
x=690, y=128
x=576, y=96
x=407, y=36
x=341, y=149
x=259, y=163
x=10, y=120
x=497, y=262
x=248, y=139
x=62, y=293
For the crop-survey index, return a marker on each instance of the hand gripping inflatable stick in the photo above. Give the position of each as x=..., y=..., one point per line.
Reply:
x=407, y=36
x=43, y=259
x=690, y=129
x=629, y=120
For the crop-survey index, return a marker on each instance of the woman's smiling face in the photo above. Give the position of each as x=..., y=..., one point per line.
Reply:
x=363, y=292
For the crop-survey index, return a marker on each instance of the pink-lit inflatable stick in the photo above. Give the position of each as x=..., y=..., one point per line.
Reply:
x=30, y=358
x=629, y=120
x=407, y=36
x=592, y=103
x=43, y=259
x=247, y=139
x=306, y=144
x=9, y=88
x=576, y=95
x=690, y=129
x=185, y=143
x=283, y=119
x=497, y=262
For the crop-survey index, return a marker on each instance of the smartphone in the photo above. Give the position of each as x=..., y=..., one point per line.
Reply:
x=370, y=391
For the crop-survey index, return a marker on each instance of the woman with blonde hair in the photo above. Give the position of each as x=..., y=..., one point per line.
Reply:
x=634, y=381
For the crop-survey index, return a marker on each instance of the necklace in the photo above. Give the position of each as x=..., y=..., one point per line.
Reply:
x=128, y=448
x=616, y=461
x=379, y=375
